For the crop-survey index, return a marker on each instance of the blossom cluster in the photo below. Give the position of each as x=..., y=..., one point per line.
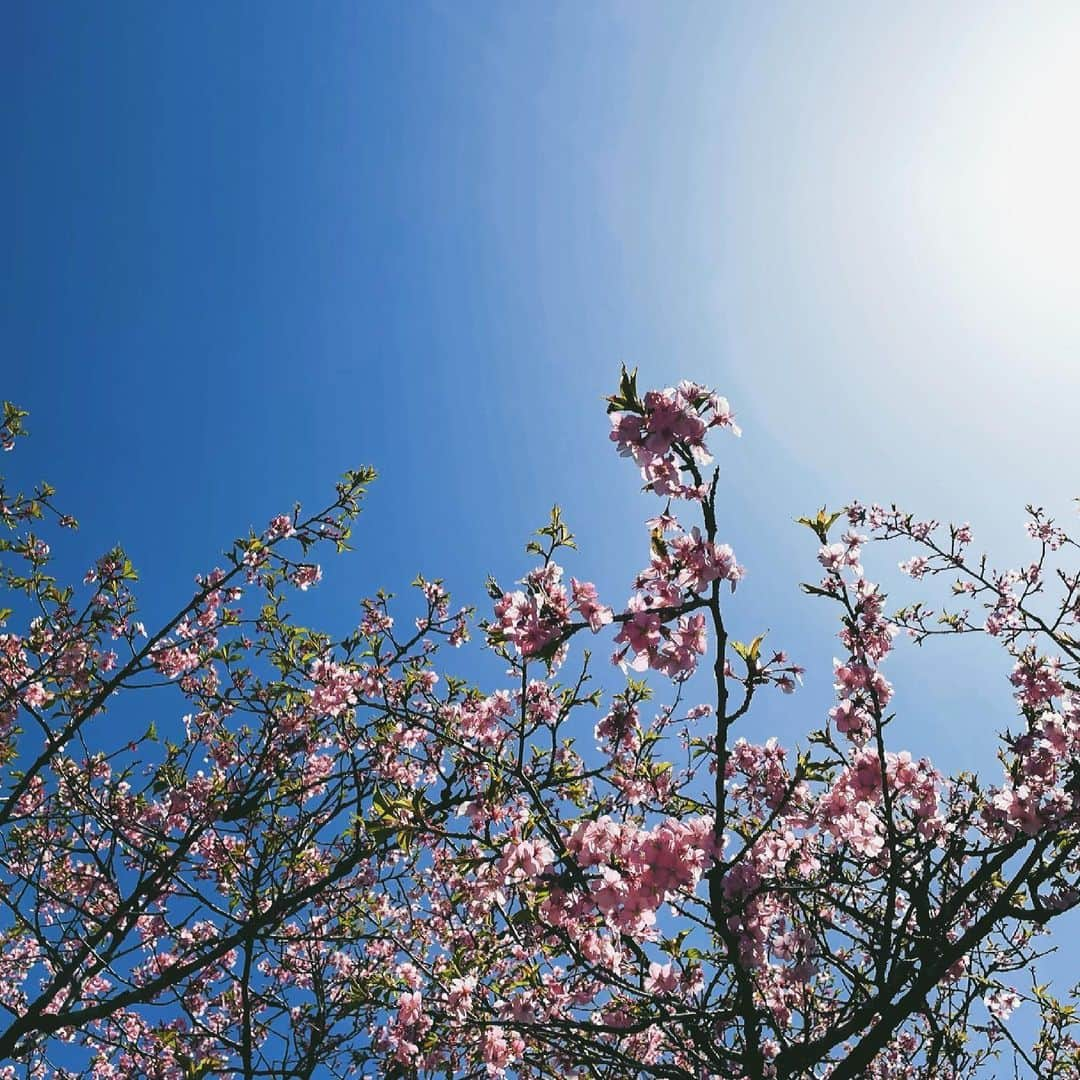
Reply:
x=638, y=869
x=538, y=617
x=664, y=432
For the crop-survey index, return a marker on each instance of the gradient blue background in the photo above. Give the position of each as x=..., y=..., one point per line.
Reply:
x=247, y=246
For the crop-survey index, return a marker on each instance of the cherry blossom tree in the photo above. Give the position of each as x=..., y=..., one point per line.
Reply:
x=306, y=857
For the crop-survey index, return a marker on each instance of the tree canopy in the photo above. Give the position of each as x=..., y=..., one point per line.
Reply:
x=335, y=857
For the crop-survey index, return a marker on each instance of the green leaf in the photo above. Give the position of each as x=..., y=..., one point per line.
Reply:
x=821, y=523
x=626, y=400
x=750, y=653
x=556, y=530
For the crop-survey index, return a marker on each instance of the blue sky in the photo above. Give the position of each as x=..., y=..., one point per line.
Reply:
x=248, y=246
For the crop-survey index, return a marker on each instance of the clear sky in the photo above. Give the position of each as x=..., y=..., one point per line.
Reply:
x=246, y=246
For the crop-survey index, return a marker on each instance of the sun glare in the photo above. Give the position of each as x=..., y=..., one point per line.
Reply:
x=1005, y=191
x=1032, y=176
